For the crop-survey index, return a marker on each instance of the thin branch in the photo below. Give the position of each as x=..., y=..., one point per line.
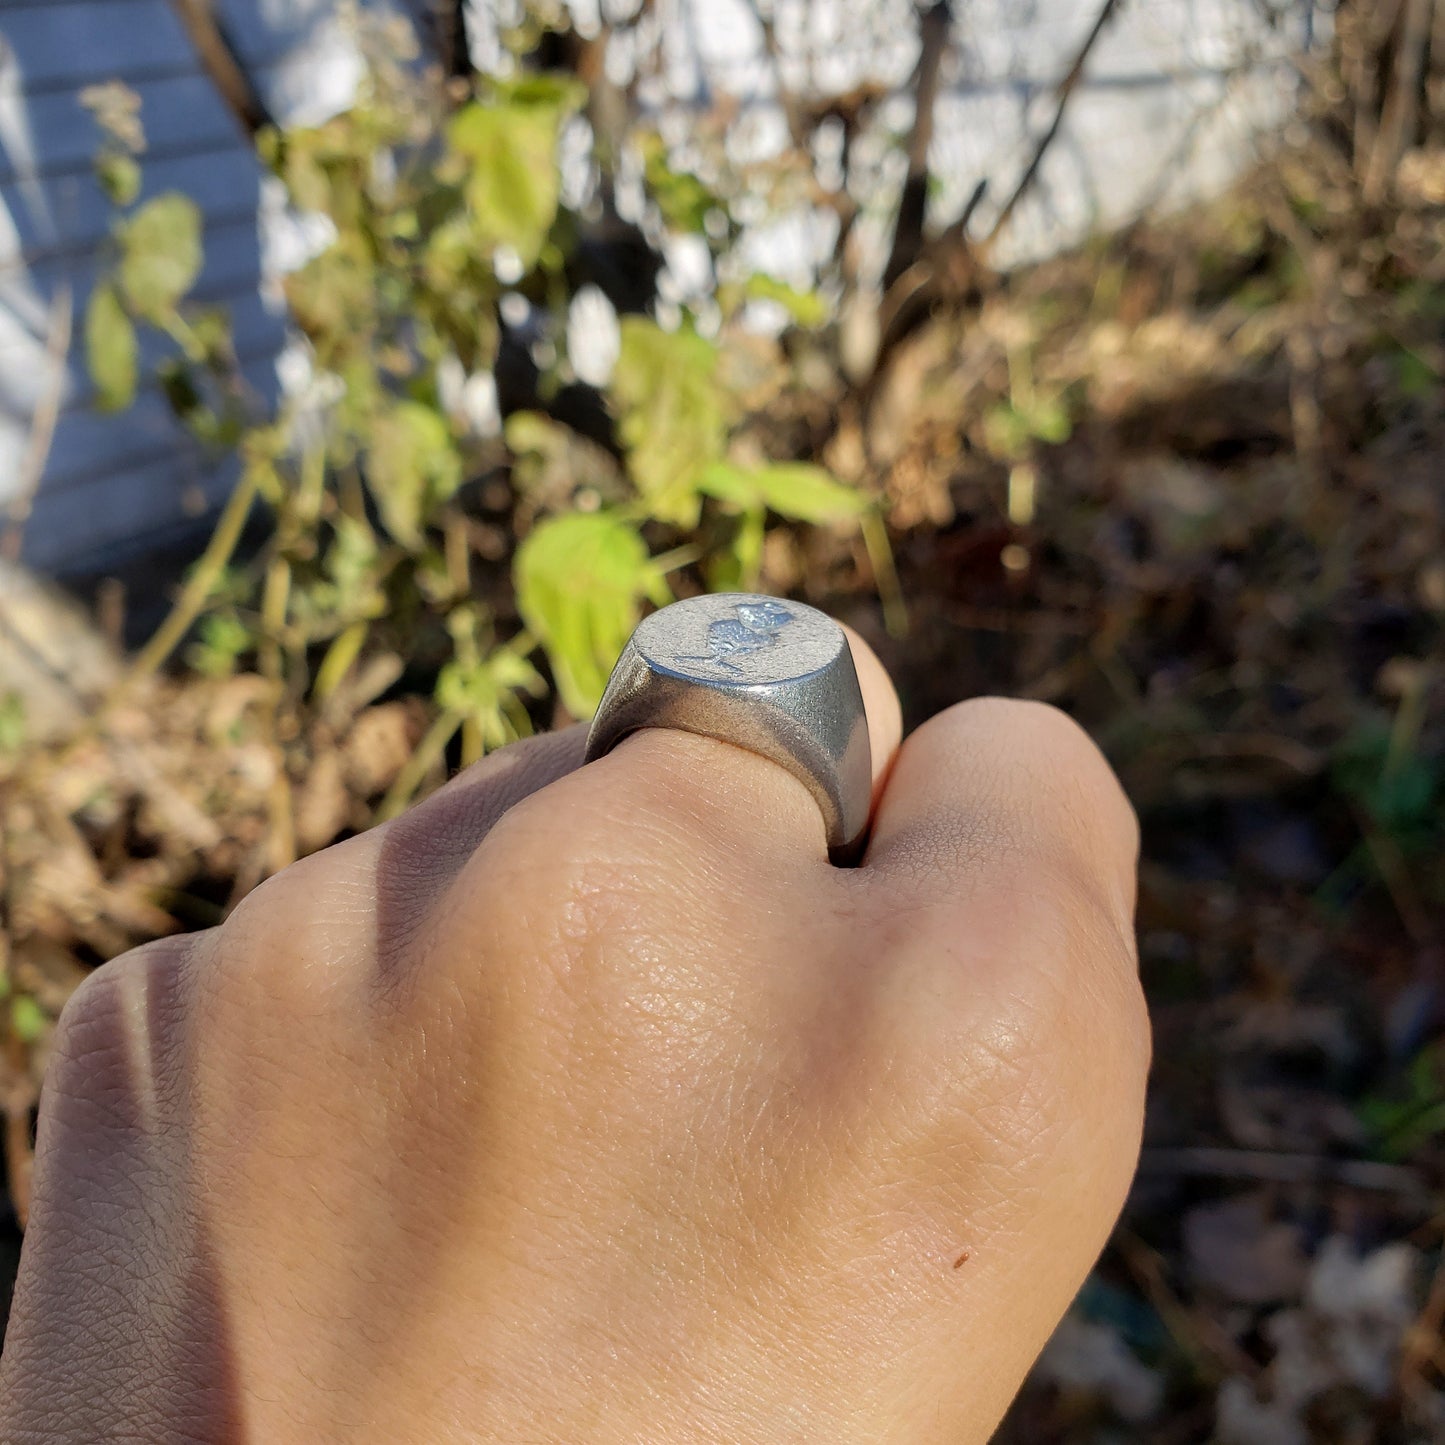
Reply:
x=957, y=233
x=449, y=19
x=1402, y=101
x=908, y=232
x=222, y=64
x=201, y=583
x=792, y=111
x=42, y=423
x=1282, y=1168
x=1062, y=93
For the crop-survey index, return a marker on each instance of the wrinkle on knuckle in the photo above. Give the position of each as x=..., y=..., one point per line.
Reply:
x=1023, y=775
x=114, y=1039
x=292, y=939
x=574, y=874
x=1033, y=1034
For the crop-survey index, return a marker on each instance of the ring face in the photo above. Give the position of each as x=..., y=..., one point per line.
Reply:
x=774, y=677
x=738, y=640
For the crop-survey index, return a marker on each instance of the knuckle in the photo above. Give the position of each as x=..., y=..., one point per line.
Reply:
x=289, y=939
x=1033, y=1049
x=115, y=1033
x=565, y=863
x=1057, y=750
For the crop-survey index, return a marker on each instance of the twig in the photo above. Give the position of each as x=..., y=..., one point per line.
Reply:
x=42, y=424
x=222, y=64
x=1394, y=872
x=450, y=26
x=908, y=231
x=19, y=1157
x=1062, y=93
x=1278, y=1168
x=1209, y=1346
x=1402, y=101
x=885, y=573
x=792, y=111
x=957, y=232
x=1422, y=1340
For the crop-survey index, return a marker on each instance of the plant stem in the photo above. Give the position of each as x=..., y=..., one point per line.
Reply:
x=200, y=585
x=418, y=765
x=885, y=573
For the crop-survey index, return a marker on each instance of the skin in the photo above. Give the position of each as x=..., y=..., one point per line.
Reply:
x=593, y=1104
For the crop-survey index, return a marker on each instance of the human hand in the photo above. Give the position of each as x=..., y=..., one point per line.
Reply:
x=593, y=1104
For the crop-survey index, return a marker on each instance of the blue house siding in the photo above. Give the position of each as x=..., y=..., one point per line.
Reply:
x=112, y=484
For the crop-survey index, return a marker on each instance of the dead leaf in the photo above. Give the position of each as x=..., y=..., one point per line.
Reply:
x=1236, y=1248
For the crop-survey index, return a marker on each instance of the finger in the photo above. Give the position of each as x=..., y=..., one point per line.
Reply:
x=994, y=782
x=1001, y=868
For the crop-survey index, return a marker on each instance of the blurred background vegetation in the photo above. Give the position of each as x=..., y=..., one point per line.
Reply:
x=1184, y=482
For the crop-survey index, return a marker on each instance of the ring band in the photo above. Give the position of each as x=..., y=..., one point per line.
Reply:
x=775, y=678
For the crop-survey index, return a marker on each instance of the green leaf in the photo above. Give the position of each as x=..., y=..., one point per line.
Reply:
x=160, y=254
x=351, y=564
x=1049, y=420
x=222, y=640
x=807, y=308
x=12, y=722
x=1414, y=376
x=544, y=90
x=110, y=349
x=27, y=1019
x=685, y=201
x=512, y=181
x=737, y=566
x=1006, y=432
x=488, y=693
x=792, y=489
x=334, y=299
x=413, y=465
x=1012, y=430
x=119, y=177
x=671, y=415
x=581, y=580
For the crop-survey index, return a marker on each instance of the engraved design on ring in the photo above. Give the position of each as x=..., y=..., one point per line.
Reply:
x=775, y=678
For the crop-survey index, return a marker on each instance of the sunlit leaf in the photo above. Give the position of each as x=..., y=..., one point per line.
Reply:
x=1049, y=420
x=581, y=580
x=12, y=722
x=110, y=349
x=333, y=298
x=412, y=466
x=27, y=1019
x=737, y=566
x=119, y=177
x=686, y=203
x=671, y=416
x=223, y=639
x=160, y=254
x=540, y=90
x=792, y=489
x=512, y=180
x=487, y=694
x=807, y=308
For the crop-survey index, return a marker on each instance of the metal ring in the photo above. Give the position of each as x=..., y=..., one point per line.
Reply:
x=776, y=678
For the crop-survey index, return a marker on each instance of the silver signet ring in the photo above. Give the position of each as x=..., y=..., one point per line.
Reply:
x=776, y=678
